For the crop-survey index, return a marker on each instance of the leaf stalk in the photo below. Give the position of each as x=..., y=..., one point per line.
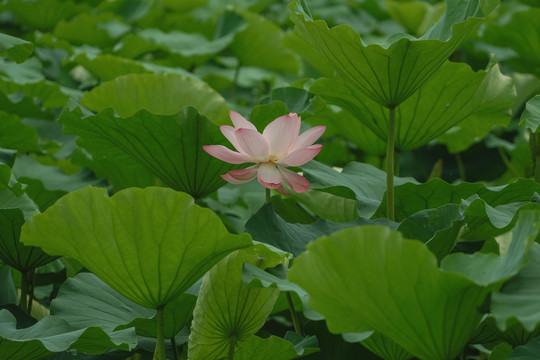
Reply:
x=159, y=353
x=390, y=163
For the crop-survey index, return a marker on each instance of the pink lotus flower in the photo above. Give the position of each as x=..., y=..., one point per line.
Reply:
x=272, y=151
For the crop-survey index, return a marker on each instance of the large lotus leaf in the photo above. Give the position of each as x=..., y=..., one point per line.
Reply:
x=16, y=135
x=12, y=195
x=325, y=205
x=27, y=78
x=53, y=334
x=44, y=14
x=178, y=314
x=99, y=30
x=363, y=181
x=227, y=313
x=490, y=269
x=528, y=351
x=160, y=94
x=108, y=67
x=494, y=98
x=346, y=124
x=411, y=198
x=438, y=228
x=149, y=244
x=385, y=348
x=415, y=16
x=518, y=300
x=452, y=95
x=16, y=49
x=144, y=145
x=46, y=184
x=259, y=44
x=530, y=118
x=86, y=301
x=8, y=292
x=486, y=211
x=393, y=70
x=291, y=347
x=369, y=277
x=193, y=48
x=13, y=252
x=308, y=53
x=268, y=227
x=277, y=278
x=509, y=33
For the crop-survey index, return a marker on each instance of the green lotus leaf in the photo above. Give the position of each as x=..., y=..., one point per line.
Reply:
x=259, y=44
x=53, y=334
x=99, y=30
x=505, y=32
x=255, y=277
x=178, y=314
x=493, y=109
x=86, y=301
x=133, y=151
x=491, y=270
x=13, y=252
x=385, y=348
x=448, y=98
x=530, y=118
x=192, y=48
x=357, y=180
x=27, y=78
x=8, y=292
x=438, y=228
x=325, y=205
x=16, y=135
x=488, y=211
x=16, y=49
x=159, y=94
x=334, y=345
x=291, y=347
x=369, y=277
x=268, y=227
x=514, y=334
x=12, y=195
x=150, y=255
x=45, y=14
x=415, y=16
x=518, y=300
x=227, y=313
x=390, y=72
x=345, y=124
x=46, y=184
x=528, y=351
x=108, y=67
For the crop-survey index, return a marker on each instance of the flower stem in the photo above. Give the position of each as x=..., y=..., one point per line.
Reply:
x=159, y=353
x=294, y=315
x=31, y=286
x=534, y=142
x=23, y=301
x=268, y=196
x=232, y=346
x=390, y=163
x=537, y=169
x=175, y=349
x=508, y=163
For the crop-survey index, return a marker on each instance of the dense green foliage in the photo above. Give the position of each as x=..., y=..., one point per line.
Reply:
x=419, y=235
